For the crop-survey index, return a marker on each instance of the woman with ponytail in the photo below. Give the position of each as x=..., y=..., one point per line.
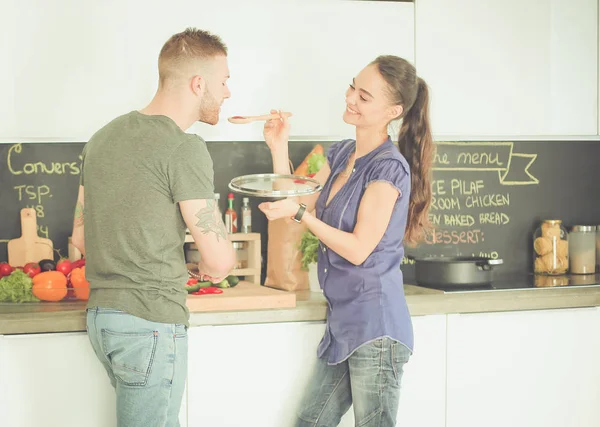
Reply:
x=376, y=196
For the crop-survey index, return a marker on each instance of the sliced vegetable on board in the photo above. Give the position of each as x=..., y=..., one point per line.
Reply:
x=233, y=280
x=208, y=291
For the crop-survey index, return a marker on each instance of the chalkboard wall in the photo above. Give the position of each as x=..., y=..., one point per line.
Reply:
x=488, y=196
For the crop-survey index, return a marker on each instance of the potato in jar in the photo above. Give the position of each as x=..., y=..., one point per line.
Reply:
x=543, y=245
x=551, y=264
x=562, y=248
x=551, y=230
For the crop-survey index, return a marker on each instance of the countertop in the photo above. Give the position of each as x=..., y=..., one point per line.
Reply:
x=311, y=306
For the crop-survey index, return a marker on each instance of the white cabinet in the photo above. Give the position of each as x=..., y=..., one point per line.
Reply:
x=294, y=55
x=256, y=375
x=53, y=380
x=423, y=395
x=249, y=375
x=512, y=67
x=523, y=369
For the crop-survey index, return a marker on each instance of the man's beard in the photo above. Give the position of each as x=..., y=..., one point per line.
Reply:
x=209, y=109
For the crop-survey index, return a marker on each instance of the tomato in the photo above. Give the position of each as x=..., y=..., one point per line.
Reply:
x=50, y=286
x=64, y=266
x=32, y=269
x=5, y=269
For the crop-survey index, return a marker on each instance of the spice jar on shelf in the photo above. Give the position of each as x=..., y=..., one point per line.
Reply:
x=582, y=249
x=550, y=248
x=241, y=249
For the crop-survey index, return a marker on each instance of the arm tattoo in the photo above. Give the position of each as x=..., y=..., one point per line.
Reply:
x=209, y=220
x=79, y=214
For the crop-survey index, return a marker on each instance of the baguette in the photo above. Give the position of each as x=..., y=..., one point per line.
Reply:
x=302, y=169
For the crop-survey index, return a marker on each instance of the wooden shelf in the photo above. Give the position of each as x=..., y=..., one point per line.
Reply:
x=252, y=273
x=251, y=242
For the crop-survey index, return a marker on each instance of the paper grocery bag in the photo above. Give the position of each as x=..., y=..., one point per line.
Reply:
x=284, y=259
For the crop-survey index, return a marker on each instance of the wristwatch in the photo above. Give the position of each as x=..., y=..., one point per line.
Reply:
x=301, y=210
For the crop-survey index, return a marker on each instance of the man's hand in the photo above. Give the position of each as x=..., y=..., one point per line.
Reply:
x=207, y=278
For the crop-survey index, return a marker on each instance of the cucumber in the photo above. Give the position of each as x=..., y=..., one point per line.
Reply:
x=192, y=288
x=222, y=284
x=233, y=280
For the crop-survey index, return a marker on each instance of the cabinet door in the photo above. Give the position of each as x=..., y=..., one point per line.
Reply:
x=512, y=67
x=522, y=369
x=291, y=55
x=249, y=375
x=423, y=395
x=54, y=380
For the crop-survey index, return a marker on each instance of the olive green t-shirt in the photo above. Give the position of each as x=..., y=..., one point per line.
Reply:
x=135, y=171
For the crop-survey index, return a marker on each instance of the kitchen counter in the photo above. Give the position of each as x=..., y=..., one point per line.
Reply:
x=311, y=306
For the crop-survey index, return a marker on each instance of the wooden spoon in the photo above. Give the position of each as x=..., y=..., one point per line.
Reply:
x=240, y=120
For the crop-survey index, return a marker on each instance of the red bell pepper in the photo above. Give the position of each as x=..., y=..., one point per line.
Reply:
x=208, y=291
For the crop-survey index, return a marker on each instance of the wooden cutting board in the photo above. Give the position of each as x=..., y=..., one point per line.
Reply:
x=245, y=296
x=29, y=247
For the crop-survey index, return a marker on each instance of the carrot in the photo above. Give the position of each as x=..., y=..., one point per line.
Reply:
x=302, y=169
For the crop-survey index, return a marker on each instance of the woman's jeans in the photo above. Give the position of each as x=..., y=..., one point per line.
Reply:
x=369, y=380
x=146, y=363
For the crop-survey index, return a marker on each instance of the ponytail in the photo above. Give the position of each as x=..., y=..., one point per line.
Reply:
x=416, y=145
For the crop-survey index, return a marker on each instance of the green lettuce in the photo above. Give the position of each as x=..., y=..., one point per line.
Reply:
x=16, y=288
x=316, y=162
x=309, y=246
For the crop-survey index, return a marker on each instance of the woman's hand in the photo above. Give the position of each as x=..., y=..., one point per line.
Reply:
x=277, y=133
x=285, y=208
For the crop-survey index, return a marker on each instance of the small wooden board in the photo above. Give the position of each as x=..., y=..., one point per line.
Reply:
x=29, y=247
x=245, y=296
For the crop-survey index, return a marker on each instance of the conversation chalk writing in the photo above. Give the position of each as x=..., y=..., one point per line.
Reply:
x=34, y=175
x=18, y=166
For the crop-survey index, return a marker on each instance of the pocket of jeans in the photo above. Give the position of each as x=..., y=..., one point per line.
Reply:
x=180, y=331
x=131, y=355
x=399, y=355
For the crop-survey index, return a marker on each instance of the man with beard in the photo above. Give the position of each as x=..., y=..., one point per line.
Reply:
x=143, y=180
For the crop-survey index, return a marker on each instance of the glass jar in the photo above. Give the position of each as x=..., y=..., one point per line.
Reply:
x=550, y=248
x=241, y=249
x=582, y=249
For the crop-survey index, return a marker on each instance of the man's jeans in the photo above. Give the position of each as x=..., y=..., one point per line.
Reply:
x=146, y=363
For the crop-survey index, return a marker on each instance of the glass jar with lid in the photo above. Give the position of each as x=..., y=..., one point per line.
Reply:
x=582, y=249
x=550, y=248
